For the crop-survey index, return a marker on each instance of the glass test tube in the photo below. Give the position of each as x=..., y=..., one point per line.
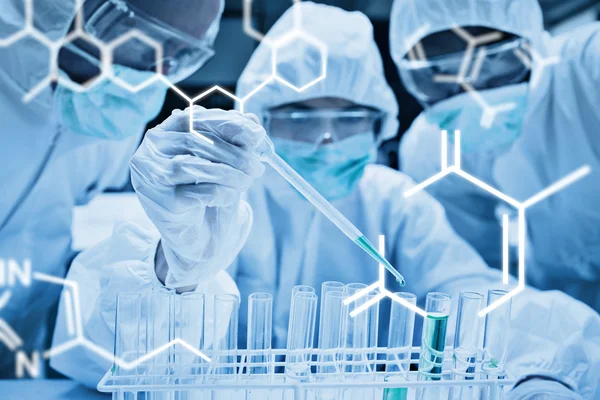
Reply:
x=160, y=329
x=259, y=336
x=225, y=343
x=400, y=339
x=331, y=342
x=356, y=345
x=127, y=331
x=327, y=287
x=191, y=368
x=225, y=336
x=357, y=333
x=373, y=329
x=191, y=331
x=495, y=342
x=332, y=338
x=433, y=339
x=301, y=331
x=466, y=343
x=302, y=288
x=433, y=342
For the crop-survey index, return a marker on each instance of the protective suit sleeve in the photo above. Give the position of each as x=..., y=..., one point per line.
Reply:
x=83, y=339
x=540, y=389
x=552, y=334
x=470, y=210
x=191, y=188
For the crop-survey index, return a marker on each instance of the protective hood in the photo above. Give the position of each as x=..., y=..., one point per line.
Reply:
x=354, y=67
x=412, y=20
x=26, y=63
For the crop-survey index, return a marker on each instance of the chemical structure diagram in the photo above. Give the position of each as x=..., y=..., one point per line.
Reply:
x=70, y=294
x=472, y=64
x=74, y=326
x=521, y=207
x=469, y=71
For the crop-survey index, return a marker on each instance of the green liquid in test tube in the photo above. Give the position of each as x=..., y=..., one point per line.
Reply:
x=267, y=154
x=433, y=343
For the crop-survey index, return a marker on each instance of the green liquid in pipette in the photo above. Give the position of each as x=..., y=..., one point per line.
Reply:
x=367, y=246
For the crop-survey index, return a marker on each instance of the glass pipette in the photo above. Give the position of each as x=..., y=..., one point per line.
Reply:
x=266, y=152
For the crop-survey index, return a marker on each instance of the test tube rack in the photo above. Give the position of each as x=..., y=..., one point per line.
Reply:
x=200, y=380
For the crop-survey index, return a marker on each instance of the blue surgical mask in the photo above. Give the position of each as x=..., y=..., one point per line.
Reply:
x=107, y=110
x=463, y=113
x=334, y=169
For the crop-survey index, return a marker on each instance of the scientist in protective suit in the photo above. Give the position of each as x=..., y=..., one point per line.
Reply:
x=551, y=131
x=63, y=147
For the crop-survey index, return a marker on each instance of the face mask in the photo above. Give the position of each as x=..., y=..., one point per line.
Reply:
x=333, y=169
x=463, y=113
x=108, y=111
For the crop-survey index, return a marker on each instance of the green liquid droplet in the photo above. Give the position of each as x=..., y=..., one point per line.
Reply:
x=368, y=247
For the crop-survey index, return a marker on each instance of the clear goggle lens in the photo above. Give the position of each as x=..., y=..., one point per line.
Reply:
x=437, y=79
x=321, y=126
x=182, y=54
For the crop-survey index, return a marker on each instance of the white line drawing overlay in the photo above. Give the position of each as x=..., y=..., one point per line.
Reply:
x=74, y=325
x=520, y=206
x=383, y=292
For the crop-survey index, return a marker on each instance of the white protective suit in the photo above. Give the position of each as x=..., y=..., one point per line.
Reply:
x=46, y=171
x=292, y=243
x=560, y=133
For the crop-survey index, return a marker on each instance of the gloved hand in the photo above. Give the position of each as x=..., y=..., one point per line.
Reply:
x=191, y=189
x=542, y=389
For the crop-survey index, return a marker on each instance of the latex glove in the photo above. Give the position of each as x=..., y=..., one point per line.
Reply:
x=542, y=389
x=191, y=190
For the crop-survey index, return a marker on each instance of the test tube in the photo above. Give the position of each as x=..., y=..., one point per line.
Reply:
x=160, y=329
x=495, y=342
x=433, y=342
x=356, y=345
x=302, y=288
x=259, y=334
x=191, y=331
x=332, y=338
x=225, y=342
x=433, y=339
x=331, y=342
x=225, y=336
x=191, y=368
x=127, y=334
x=260, y=325
x=466, y=342
x=400, y=339
x=327, y=287
x=373, y=329
x=301, y=331
x=357, y=333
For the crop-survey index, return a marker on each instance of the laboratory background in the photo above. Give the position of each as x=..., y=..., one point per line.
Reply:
x=431, y=312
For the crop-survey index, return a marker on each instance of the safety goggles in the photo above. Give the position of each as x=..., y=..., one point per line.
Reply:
x=182, y=53
x=437, y=79
x=322, y=126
